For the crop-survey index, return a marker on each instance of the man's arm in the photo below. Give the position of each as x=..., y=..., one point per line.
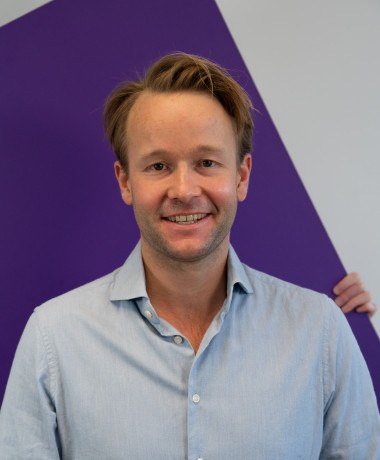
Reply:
x=28, y=427
x=352, y=295
x=351, y=428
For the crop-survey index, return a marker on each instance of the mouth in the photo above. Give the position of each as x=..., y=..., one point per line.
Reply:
x=186, y=219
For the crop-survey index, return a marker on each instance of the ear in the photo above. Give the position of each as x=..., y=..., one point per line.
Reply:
x=123, y=179
x=243, y=174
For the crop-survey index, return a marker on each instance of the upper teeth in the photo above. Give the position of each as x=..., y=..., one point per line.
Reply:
x=190, y=219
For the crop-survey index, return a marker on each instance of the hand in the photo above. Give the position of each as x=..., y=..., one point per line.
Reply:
x=351, y=295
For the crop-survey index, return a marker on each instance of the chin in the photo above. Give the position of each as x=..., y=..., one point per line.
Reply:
x=190, y=252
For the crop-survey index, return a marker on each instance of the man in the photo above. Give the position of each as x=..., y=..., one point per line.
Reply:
x=184, y=352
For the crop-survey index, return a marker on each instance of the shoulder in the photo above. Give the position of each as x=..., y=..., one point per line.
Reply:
x=83, y=315
x=296, y=309
x=90, y=296
x=288, y=294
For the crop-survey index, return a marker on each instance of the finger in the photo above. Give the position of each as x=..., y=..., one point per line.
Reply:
x=351, y=292
x=346, y=282
x=369, y=308
x=357, y=301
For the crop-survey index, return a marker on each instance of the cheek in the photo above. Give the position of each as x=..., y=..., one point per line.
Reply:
x=224, y=191
x=144, y=196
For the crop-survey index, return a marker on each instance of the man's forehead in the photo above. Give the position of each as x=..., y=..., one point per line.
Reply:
x=153, y=107
x=148, y=99
x=194, y=109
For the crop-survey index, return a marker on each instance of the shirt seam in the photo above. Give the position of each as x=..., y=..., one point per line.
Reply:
x=49, y=355
x=325, y=355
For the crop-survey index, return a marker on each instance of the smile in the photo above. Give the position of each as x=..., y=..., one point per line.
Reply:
x=186, y=220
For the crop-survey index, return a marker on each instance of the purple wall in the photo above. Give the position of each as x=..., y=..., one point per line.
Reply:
x=63, y=222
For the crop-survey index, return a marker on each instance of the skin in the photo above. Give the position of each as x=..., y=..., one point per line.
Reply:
x=183, y=162
x=352, y=295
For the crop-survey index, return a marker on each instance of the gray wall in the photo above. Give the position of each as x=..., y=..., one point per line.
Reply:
x=317, y=68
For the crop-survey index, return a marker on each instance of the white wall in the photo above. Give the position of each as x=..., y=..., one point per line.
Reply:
x=317, y=68
x=13, y=9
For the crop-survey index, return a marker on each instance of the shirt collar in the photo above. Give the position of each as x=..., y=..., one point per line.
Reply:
x=237, y=273
x=129, y=282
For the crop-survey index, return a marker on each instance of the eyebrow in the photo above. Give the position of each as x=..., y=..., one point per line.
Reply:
x=198, y=148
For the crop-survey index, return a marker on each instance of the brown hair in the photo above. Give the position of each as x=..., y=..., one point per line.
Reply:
x=179, y=72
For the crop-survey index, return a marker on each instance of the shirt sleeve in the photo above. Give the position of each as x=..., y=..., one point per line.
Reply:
x=351, y=421
x=28, y=424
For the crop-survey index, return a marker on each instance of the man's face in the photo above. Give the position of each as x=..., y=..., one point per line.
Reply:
x=183, y=180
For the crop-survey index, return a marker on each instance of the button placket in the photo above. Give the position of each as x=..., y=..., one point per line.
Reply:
x=197, y=425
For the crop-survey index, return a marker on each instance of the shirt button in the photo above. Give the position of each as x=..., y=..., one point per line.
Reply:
x=178, y=339
x=196, y=398
x=148, y=313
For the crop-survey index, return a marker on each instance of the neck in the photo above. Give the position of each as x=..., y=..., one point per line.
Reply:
x=187, y=294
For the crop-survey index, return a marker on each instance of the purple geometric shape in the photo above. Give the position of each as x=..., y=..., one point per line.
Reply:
x=63, y=222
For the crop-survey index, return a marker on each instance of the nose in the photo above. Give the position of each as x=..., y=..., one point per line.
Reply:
x=184, y=184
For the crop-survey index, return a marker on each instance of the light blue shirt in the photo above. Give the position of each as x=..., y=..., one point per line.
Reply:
x=278, y=375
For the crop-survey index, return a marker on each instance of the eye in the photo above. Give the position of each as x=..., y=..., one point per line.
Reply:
x=158, y=167
x=207, y=163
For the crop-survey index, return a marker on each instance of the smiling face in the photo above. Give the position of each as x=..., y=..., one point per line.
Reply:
x=183, y=180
